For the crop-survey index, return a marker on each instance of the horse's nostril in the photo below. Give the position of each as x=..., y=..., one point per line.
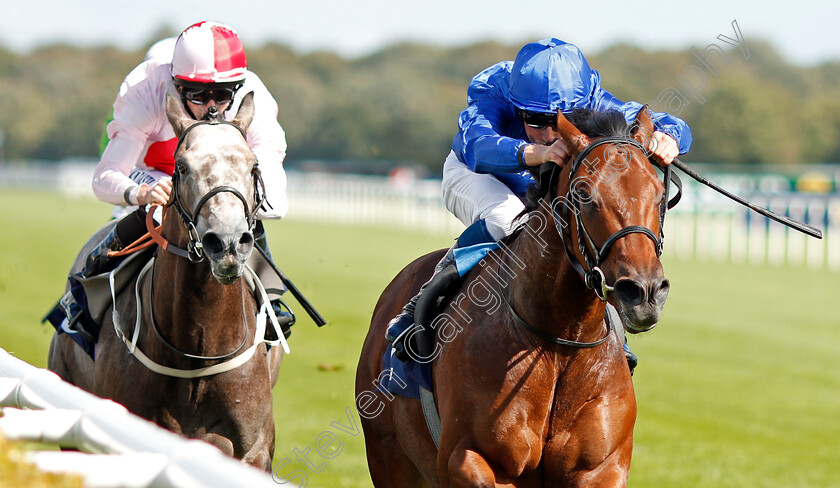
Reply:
x=212, y=243
x=630, y=292
x=661, y=292
x=246, y=243
x=219, y=245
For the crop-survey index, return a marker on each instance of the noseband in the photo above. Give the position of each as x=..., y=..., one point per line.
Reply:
x=594, y=277
x=195, y=250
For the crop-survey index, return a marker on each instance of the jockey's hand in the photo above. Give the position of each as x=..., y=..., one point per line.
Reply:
x=159, y=193
x=664, y=147
x=537, y=154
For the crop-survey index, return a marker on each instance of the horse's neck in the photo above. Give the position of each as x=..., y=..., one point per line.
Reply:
x=193, y=310
x=549, y=293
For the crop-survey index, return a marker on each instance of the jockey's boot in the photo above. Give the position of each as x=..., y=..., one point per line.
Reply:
x=632, y=359
x=285, y=316
x=97, y=260
x=399, y=326
x=127, y=230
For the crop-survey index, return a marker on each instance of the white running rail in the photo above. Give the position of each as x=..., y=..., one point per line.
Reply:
x=127, y=451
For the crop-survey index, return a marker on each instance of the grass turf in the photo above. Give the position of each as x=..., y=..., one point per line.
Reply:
x=739, y=385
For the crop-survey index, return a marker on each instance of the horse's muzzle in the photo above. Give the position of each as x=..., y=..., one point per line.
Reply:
x=227, y=253
x=641, y=301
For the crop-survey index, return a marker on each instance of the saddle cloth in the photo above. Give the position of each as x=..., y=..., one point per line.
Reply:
x=404, y=377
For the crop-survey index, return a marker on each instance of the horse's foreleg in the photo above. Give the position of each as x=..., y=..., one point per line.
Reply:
x=389, y=466
x=611, y=473
x=274, y=357
x=468, y=468
x=262, y=450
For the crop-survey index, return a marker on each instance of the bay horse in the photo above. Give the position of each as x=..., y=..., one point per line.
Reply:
x=188, y=353
x=528, y=373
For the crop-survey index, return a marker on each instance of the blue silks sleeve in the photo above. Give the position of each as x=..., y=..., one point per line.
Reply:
x=489, y=136
x=669, y=124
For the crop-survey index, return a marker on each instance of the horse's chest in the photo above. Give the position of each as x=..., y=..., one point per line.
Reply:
x=590, y=425
x=512, y=433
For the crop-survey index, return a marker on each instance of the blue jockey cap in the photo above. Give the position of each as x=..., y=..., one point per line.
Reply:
x=548, y=75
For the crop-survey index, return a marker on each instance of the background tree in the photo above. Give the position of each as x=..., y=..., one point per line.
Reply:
x=400, y=104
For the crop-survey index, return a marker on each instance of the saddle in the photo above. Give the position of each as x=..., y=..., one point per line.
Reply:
x=79, y=312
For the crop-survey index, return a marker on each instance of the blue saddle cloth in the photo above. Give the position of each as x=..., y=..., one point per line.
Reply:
x=71, y=316
x=405, y=377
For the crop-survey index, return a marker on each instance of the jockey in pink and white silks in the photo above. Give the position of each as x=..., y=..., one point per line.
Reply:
x=209, y=73
x=208, y=68
x=507, y=127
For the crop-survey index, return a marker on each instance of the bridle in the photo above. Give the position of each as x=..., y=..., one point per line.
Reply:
x=195, y=250
x=593, y=255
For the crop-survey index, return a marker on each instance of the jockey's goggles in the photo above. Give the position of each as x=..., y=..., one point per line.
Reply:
x=200, y=96
x=538, y=120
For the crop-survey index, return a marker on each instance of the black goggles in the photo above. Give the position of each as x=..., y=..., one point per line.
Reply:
x=200, y=96
x=538, y=120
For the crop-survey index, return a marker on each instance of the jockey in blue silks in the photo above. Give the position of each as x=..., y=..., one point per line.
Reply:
x=508, y=126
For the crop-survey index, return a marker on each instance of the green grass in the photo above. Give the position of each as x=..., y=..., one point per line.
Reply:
x=739, y=385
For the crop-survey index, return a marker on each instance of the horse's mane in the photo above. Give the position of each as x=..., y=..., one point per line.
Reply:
x=595, y=125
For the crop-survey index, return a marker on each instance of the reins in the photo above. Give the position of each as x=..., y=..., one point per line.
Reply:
x=266, y=314
x=543, y=334
x=185, y=354
x=594, y=255
x=554, y=339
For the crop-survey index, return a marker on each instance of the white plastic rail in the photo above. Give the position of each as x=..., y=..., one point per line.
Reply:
x=127, y=451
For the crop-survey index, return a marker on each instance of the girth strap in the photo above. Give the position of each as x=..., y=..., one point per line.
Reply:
x=430, y=413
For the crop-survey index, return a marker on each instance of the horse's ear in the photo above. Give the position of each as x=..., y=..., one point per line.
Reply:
x=642, y=128
x=177, y=115
x=576, y=141
x=245, y=114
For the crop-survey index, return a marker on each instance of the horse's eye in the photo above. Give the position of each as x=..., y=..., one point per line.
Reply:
x=182, y=169
x=582, y=193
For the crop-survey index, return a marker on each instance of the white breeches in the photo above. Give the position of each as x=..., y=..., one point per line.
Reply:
x=471, y=196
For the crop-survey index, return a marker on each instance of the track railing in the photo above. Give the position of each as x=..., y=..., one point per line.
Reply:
x=120, y=449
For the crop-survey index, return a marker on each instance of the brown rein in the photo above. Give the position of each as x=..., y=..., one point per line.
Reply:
x=153, y=236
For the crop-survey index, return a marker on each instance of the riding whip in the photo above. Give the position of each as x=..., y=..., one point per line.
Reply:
x=316, y=317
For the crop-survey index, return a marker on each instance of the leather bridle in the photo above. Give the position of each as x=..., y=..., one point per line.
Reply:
x=195, y=250
x=593, y=255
